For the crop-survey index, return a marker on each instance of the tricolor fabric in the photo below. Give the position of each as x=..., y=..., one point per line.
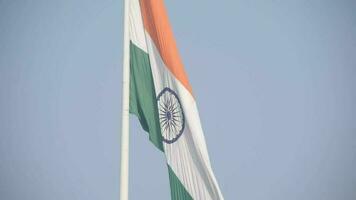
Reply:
x=161, y=97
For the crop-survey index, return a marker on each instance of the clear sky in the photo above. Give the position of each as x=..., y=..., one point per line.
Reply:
x=274, y=81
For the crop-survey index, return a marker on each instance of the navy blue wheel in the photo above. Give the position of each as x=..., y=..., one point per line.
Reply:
x=171, y=115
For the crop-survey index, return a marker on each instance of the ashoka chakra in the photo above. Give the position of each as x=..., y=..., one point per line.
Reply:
x=171, y=115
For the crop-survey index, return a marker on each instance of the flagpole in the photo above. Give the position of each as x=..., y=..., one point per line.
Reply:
x=124, y=170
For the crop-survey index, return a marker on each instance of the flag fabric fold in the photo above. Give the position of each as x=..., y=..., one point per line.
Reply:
x=161, y=97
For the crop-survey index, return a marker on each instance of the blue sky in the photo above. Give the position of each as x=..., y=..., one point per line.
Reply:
x=274, y=81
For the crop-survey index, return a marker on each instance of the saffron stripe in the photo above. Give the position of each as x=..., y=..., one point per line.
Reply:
x=156, y=23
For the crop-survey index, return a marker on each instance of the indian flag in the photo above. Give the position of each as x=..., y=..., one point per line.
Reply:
x=162, y=99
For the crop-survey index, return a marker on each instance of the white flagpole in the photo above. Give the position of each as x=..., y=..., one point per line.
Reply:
x=124, y=172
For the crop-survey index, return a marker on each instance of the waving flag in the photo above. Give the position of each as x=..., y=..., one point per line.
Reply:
x=161, y=97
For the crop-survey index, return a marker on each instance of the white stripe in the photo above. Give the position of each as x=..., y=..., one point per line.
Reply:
x=188, y=156
x=137, y=33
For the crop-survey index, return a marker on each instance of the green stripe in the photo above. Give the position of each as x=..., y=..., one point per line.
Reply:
x=178, y=191
x=143, y=96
